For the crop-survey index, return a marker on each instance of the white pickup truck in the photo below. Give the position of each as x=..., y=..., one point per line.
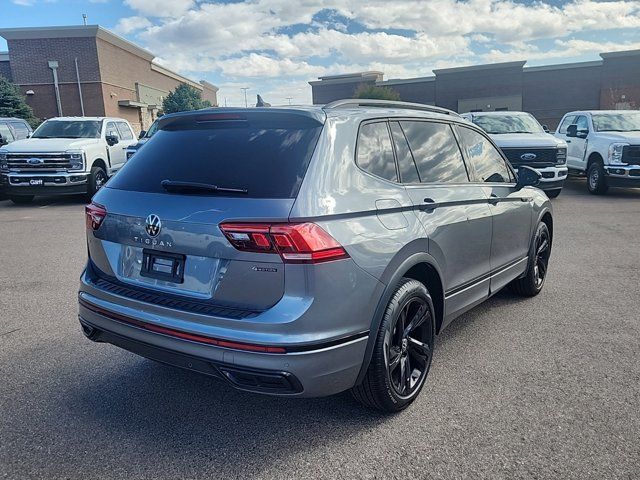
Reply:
x=66, y=155
x=526, y=143
x=604, y=145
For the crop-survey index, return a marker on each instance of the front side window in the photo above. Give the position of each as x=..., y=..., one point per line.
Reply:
x=616, y=122
x=568, y=120
x=112, y=130
x=22, y=131
x=375, y=153
x=508, y=123
x=124, y=131
x=582, y=123
x=69, y=129
x=486, y=161
x=435, y=151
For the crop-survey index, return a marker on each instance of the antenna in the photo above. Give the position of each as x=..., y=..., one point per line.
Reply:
x=84, y=18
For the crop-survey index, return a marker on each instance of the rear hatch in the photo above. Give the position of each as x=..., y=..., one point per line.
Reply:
x=161, y=231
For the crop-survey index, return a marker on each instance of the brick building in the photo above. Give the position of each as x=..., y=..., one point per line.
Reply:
x=65, y=70
x=548, y=92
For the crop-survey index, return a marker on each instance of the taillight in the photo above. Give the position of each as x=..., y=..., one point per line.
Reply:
x=296, y=243
x=94, y=215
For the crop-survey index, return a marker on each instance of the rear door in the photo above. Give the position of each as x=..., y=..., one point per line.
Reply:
x=265, y=154
x=453, y=211
x=511, y=210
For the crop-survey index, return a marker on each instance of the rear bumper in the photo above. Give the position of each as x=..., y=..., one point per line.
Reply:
x=312, y=372
x=16, y=184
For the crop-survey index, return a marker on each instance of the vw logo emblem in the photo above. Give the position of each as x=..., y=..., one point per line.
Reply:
x=528, y=156
x=35, y=161
x=153, y=225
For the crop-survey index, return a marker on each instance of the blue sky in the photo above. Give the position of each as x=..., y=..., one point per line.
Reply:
x=275, y=47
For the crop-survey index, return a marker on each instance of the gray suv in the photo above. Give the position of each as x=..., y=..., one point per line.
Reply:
x=306, y=251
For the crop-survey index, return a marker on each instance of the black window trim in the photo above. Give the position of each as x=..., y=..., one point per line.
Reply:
x=393, y=150
x=453, y=131
x=475, y=180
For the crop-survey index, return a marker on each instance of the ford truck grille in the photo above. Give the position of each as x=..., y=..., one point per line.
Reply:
x=41, y=162
x=631, y=154
x=544, y=157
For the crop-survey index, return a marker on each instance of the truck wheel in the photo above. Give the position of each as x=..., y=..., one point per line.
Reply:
x=21, y=199
x=97, y=178
x=596, y=181
x=402, y=352
x=553, y=193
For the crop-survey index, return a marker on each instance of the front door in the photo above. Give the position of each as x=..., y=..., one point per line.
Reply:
x=511, y=210
x=117, y=155
x=453, y=211
x=577, y=146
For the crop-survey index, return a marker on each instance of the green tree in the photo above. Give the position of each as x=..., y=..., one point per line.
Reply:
x=184, y=98
x=13, y=103
x=376, y=93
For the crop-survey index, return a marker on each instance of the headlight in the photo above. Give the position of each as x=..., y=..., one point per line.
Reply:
x=561, y=156
x=76, y=158
x=4, y=165
x=615, y=152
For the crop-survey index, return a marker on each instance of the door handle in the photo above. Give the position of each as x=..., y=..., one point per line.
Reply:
x=430, y=204
x=568, y=141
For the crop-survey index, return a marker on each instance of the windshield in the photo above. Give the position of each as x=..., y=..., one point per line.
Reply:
x=152, y=129
x=265, y=154
x=498, y=124
x=69, y=129
x=616, y=122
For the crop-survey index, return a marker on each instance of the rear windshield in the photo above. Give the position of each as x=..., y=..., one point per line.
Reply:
x=265, y=154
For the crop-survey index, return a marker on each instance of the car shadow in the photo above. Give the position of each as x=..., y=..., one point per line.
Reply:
x=577, y=185
x=46, y=201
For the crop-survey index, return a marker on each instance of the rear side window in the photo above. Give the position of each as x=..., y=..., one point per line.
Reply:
x=20, y=129
x=486, y=161
x=124, y=131
x=568, y=120
x=266, y=154
x=406, y=164
x=436, y=152
x=375, y=154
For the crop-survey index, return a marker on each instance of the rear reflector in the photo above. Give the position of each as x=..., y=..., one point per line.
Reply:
x=295, y=243
x=94, y=215
x=180, y=334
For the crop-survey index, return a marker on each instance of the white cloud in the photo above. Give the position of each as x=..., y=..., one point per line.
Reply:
x=276, y=42
x=24, y=3
x=127, y=25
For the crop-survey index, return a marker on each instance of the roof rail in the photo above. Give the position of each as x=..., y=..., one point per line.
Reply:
x=364, y=102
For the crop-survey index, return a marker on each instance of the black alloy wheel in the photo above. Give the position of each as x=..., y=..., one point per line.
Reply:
x=542, y=254
x=408, y=348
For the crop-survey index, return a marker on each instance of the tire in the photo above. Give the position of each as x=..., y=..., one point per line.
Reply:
x=553, y=193
x=97, y=178
x=21, y=199
x=531, y=284
x=402, y=352
x=596, y=181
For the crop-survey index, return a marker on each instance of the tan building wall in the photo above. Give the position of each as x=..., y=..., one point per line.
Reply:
x=117, y=78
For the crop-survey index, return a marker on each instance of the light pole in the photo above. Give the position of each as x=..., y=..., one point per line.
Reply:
x=244, y=89
x=289, y=98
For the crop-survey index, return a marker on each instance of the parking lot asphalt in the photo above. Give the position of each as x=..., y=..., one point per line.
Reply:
x=519, y=388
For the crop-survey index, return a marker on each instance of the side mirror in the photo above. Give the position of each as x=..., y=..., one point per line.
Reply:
x=572, y=131
x=142, y=134
x=545, y=128
x=527, y=177
x=111, y=140
x=3, y=141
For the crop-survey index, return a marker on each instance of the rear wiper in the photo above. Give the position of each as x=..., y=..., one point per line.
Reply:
x=176, y=186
